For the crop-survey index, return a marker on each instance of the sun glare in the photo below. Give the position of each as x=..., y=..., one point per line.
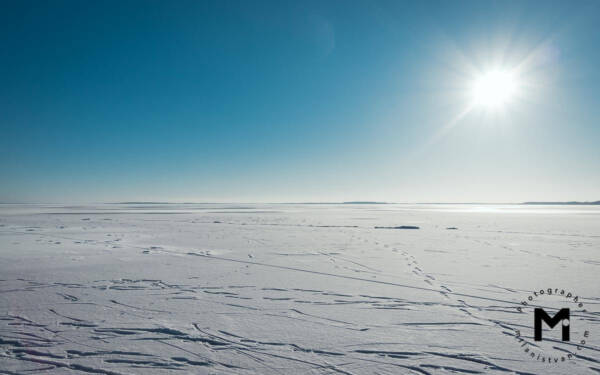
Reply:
x=494, y=89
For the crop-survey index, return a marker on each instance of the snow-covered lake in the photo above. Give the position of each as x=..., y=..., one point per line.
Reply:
x=294, y=289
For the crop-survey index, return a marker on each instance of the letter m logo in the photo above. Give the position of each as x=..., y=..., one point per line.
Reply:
x=562, y=315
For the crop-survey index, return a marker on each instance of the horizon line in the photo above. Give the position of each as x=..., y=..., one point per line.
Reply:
x=591, y=202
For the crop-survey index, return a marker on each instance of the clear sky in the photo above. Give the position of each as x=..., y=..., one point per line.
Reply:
x=298, y=101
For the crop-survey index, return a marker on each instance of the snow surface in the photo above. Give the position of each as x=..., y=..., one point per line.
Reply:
x=291, y=289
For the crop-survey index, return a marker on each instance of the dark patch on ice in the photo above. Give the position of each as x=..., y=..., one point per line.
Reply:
x=78, y=324
x=400, y=227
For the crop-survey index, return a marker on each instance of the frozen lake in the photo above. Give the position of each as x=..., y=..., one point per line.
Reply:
x=284, y=288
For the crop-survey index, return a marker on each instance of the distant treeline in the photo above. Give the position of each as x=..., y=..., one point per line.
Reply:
x=565, y=203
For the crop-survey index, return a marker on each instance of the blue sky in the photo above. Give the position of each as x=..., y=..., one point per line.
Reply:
x=296, y=101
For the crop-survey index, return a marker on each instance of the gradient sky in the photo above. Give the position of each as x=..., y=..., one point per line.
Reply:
x=296, y=101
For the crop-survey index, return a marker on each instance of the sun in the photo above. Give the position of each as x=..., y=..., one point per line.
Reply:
x=494, y=89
